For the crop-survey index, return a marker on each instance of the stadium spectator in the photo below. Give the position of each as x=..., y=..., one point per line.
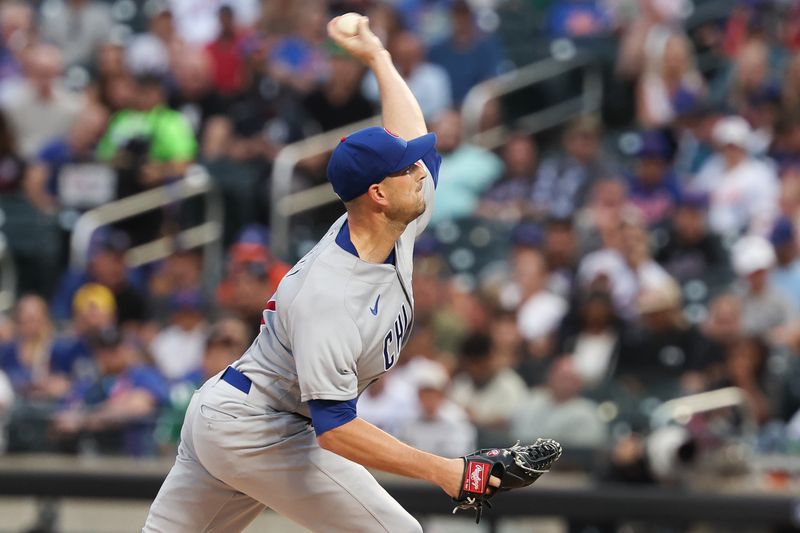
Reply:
x=438, y=426
x=746, y=368
x=252, y=276
x=296, y=61
x=385, y=20
x=388, y=402
x=790, y=88
x=743, y=189
x=653, y=186
x=112, y=84
x=12, y=166
x=467, y=170
x=65, y=174
x=692, y=130
x=338, y=101
x=40, y=107
x=560, y=247
x=507, y=343
x=227, y=54
x=689, y=250
x=39, y=363
x=276, y=17
x=764, y=309
x=578, y=18
x=649, y=27
x=106, y=267
x=487, y=391
x=666, y=79
x=179, y=272
x=148, y=144
x=468, y=55
x=540, y=310
x=198, y=21
x=153, y=53
x=194, y=96
x=723, y=324
x=117, y=410
x=785, y=148
x=430, y=20
x=748, y=75
x=178, y=348
x=785, y=276
x=77, y=28
x=94, y=309
x=564, y=180
x=623, y=266
x=557, y=409
x=664, y=356
x=508, y=199
x=597, y=223
x=593, y=338
x=17, y=32
x=762, y=111
x=429, y=82
x=227, y=340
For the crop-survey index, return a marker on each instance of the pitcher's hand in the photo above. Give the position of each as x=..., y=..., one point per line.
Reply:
x=364, y=46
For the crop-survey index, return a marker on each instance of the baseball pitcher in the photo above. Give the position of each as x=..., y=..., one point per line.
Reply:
x=279, y=428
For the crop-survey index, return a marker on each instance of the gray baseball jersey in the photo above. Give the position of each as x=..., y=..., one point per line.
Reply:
x=336, y=322
x=334, y=325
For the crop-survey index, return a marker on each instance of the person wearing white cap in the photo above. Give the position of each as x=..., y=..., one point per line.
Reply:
x=439, y=425
x=743, y=190
x=557, y=409
x=763, y=308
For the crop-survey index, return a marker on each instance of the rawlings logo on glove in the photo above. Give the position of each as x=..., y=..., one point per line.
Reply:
x=516, y=467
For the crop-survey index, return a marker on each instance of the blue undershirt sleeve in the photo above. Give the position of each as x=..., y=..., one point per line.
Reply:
x=330, y=414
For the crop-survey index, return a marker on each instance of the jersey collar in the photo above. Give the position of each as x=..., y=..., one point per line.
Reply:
x=344, y=242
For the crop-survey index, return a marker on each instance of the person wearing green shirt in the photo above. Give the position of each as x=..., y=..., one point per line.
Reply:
x=156, y=137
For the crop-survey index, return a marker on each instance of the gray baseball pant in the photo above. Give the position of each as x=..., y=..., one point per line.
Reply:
x=235, y=459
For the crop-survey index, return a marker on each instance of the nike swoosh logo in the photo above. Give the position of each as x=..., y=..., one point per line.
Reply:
x=290, y=274
x=374, y=310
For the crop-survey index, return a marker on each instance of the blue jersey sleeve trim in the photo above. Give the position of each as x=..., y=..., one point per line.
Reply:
x=330, y=414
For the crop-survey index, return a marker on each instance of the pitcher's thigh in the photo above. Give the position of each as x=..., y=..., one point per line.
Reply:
x=192, y=501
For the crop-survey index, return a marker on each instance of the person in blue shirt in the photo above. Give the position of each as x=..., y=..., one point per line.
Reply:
x=115, y=412
x=106, y=266
x=653, y=185
x=578, y=18
x=74, y=152
x=468, y=56
x=40, y=364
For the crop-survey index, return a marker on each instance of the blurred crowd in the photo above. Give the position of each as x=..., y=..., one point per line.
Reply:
x=570, y=283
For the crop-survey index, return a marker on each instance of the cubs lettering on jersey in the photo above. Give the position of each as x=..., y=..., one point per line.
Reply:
x=393, y=341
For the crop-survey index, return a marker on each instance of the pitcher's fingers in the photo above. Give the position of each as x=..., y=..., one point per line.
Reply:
x=494, y=481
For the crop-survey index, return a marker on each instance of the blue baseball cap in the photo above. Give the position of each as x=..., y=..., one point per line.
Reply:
x=654, y=146
x=369, y=155
x=693, y=199
x=782, y=233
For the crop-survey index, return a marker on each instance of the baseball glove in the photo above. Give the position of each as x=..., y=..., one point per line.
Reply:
x=516, y=467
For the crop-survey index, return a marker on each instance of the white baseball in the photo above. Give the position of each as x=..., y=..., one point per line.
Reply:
x=348, y=23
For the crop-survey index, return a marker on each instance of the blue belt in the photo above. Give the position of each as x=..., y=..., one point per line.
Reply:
x=237, y=379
